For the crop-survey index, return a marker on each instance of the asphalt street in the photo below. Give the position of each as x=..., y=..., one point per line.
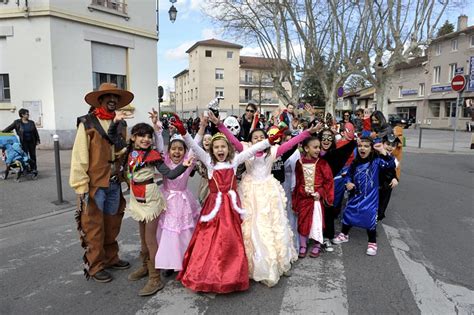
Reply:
x=423, y=266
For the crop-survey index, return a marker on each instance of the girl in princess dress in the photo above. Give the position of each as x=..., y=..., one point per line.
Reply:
x=176, y=223
x=268, y=237
x=314, y=190
x=215, y=260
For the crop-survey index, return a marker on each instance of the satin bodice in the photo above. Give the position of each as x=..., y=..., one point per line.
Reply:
x=222, y=180
x=181, y=182
x=260, y=166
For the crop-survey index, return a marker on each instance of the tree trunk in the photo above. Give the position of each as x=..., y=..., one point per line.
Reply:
x=382, y=98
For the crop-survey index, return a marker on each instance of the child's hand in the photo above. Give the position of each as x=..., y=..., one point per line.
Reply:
x=380, y=148
x=316, y=128
x=212, y=118
x=350, y=186
x=309, y=109
x=121, y=115
x=316, y=196
x=157, y=125
x=204, y=121
x=394, y=183
x=189, y=161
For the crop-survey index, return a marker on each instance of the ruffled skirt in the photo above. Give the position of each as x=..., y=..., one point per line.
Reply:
x=151, y=208
x=268, y=237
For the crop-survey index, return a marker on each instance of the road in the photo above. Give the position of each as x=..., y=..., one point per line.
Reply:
x=424, y=263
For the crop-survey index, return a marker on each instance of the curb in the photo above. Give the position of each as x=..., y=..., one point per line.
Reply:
x=435, y=151
x=39, y=217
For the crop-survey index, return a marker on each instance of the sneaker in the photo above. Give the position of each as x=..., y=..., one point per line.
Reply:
x=102, y=276
x=120, y=265
x=340, y=238
x=371, y=249
x=327, y=246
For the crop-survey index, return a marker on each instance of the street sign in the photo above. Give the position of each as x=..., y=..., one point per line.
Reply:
x=459, y=70
x=340, y=91
x=458, y=83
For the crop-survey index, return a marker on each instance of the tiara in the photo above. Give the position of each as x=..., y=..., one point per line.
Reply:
x=219, y=136
x=176, y=136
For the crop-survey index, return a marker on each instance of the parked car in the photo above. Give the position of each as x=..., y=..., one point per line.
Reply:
x=394, y=119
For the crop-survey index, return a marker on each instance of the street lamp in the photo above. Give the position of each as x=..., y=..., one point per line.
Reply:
x=172, y=11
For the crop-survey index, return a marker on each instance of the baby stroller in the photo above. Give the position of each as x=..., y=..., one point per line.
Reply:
x=16, y=160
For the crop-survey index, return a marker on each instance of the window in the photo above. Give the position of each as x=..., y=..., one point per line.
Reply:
x=454, y=45
x=99, y=78
x=450, y=107
x=438, y=49
x=192, y=96
x=230, y=54
x=436, y=74
x=194, y=75
x=196, y=94
x=472, y=41
x=400, y=95
x=219, y=92
x=452, y=71
x=248, y=76
x=4, y=88
x=421, y=89
x=219, y=74
x=208, y=53
x=248, y=94
x=434, y=109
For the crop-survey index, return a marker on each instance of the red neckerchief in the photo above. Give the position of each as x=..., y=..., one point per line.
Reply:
x=103, y=113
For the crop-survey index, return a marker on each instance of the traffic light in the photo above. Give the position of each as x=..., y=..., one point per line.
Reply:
x=161, y=92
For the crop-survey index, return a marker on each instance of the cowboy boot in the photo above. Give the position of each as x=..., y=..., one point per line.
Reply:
x=154, y=283
x=142, y=271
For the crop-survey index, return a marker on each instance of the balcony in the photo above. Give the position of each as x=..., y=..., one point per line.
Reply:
x=115, y=7
x=265, y=101
x=251, y=82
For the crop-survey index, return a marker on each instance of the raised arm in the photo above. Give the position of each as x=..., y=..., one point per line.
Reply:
x=200, y=153
x=115, y=136
x=170, y=173
x=239, y=147
x=159, y=142
x=292, y=142
x=250, y=152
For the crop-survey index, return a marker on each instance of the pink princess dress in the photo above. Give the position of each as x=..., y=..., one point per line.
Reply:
x=176, y=223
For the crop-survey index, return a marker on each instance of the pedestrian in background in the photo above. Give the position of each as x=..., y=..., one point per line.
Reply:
x=28, y=134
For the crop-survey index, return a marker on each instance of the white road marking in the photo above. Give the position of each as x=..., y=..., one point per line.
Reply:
x=317, y=286
x=175, y=299
x=431, y=296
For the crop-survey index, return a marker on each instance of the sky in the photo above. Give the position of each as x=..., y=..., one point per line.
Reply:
x=192, y=25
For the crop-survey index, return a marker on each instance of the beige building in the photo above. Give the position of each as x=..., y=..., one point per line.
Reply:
x=216, y=69
x=53, y=52
x=422, y=87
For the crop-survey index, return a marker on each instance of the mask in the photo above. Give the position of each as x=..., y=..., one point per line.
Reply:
x=232, y=124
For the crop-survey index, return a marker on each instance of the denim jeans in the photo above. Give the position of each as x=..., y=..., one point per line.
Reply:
x=108, y=199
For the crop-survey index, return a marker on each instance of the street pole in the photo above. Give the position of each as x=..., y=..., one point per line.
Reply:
x=419, y=137
x=456, y=121
x=57, y=162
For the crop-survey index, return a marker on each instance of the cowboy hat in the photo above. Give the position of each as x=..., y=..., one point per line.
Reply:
x=125, y=97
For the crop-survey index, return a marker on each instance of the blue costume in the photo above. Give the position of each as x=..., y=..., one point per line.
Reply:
x=361, y=208
x=15, y=153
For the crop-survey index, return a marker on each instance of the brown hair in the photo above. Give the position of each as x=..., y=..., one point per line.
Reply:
x=230, y=155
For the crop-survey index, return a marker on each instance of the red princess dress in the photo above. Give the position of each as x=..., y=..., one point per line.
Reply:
x=215, y=260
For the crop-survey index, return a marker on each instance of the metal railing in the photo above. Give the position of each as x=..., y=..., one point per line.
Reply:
x=256, y=82
x=116, y=5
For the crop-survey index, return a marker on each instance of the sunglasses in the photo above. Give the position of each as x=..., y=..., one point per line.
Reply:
x=346, y=115
x=326, y=138
x=250, y=111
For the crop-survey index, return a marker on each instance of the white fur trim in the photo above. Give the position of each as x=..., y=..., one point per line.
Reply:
x=215, y=210
x=233, y=197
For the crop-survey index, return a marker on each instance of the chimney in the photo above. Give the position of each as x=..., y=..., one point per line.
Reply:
x=462, y=22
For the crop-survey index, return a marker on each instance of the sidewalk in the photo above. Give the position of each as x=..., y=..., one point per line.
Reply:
x=33, y=198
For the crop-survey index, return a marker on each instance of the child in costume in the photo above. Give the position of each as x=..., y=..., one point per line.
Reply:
x=203, y=189
x=314, y=190
x=362, y=182
x=388, y=178
x=146, y=201
x=268, y=237
x=215, y=260
x=176, y=224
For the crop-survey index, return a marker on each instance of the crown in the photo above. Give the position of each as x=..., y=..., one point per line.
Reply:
x=219, y=136
x=176, y=136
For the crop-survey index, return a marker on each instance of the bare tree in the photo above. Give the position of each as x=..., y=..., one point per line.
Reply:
x=394, y=31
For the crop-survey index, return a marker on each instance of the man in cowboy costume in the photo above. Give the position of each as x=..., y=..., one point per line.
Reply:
x=95, y=177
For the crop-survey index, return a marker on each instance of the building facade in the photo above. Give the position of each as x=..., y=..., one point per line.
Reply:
x=421, y=88
x=53, y=52
x=216, y=69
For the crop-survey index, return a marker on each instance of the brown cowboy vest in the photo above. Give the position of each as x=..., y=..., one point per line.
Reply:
x=100, y=152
